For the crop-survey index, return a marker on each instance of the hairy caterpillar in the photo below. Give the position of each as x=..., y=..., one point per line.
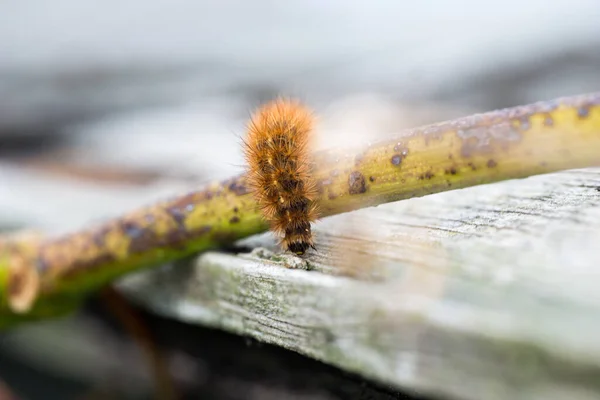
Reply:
x=277, y=151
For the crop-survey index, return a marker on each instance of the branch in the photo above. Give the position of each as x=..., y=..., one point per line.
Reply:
x=506, y=144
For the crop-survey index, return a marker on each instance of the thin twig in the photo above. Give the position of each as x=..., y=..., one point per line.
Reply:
x=506, y=144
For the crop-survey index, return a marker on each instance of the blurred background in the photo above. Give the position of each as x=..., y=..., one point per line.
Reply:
x=105, y=106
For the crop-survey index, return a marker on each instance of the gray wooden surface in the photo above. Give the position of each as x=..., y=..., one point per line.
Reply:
x=483, y=293
x=489, y=292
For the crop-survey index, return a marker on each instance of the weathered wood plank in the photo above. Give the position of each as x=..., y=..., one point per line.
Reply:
x=483, y=293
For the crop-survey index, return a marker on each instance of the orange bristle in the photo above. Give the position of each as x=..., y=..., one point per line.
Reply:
x=277, y=150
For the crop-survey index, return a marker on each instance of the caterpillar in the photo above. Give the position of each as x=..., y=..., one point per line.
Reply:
x=277, y=151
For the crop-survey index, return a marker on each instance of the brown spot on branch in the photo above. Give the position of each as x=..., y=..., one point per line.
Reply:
x=356, y=183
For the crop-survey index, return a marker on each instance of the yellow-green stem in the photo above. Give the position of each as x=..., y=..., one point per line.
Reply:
x=506, y=144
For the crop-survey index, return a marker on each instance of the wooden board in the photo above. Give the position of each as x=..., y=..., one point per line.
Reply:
x=483, y=293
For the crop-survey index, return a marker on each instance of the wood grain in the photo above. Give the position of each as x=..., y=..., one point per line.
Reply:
x=481, y=293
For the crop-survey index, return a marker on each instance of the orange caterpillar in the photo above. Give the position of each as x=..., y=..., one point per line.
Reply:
x=277, y=154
